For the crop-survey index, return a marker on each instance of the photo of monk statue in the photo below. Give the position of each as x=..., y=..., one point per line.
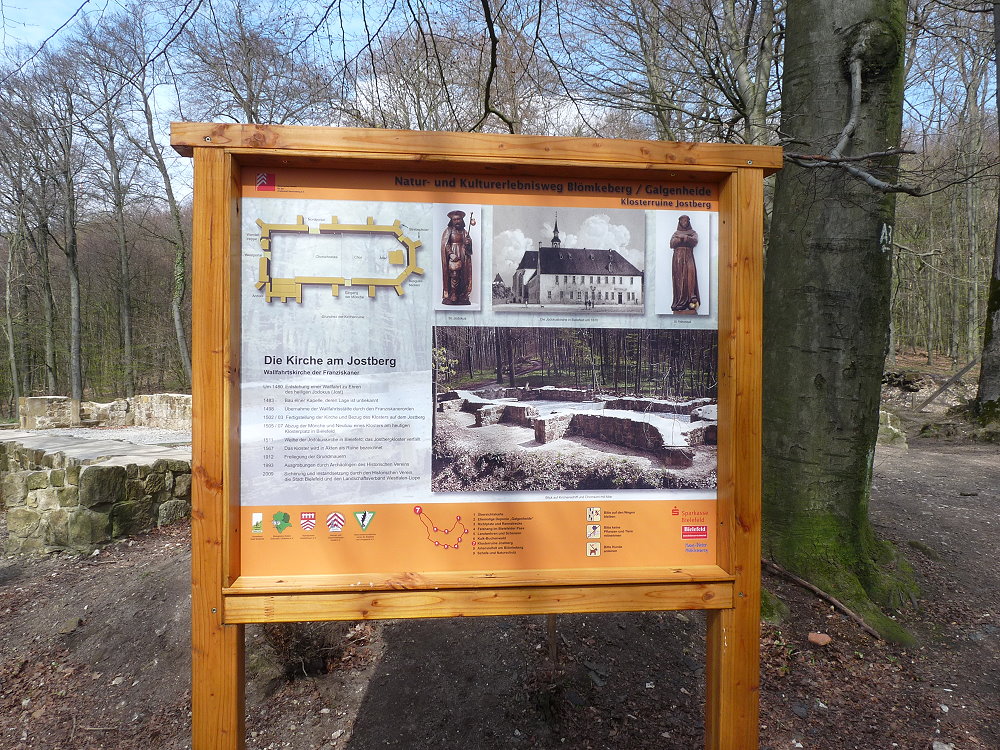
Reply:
x=456, y=260
x=686, y=300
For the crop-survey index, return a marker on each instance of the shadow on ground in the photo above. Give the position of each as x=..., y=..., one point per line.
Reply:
x=488, y=683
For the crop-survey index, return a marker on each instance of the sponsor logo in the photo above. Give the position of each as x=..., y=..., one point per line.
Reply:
x=675, y=511
x=281, y=521
x=256, y=523
x=364, y=518
x=694, y=532
x=265, y=181
x=335, y=522
x=307, y=521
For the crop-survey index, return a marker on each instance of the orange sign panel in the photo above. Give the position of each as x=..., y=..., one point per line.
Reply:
x=445, y=373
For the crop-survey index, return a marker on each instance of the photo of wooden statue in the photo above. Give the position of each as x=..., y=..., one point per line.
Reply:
x=686, y=299
x=456, y=260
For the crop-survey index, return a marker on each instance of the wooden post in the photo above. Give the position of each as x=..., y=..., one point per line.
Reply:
x=733, y=646
x=217, y=674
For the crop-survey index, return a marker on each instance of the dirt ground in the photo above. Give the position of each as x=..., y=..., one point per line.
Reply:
x=96, y=656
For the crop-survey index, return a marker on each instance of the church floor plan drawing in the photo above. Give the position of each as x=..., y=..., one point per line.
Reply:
x=401, y=253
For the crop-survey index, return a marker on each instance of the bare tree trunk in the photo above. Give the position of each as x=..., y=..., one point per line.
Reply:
x=987, y=404
x=72, y=269
x=153, y=151
x=13, y=251
x=509, y=335
x=826, y=302
x=124, y=286
x=972, y=270
x=40, y=242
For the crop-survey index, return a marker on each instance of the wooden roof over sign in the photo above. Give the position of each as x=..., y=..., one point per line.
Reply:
x=508, y=152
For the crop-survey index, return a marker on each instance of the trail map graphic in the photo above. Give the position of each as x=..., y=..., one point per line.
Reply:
x=285, y=289
x=449, y=538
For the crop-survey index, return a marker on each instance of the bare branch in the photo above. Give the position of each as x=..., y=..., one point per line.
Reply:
x=881, y=185
x=852, y=121
x=800, y=159
x=488, y=108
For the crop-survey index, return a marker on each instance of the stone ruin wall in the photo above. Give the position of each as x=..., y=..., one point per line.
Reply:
x=169, y=411
x=630, y=433
x=57, y=503
x=616, y=430
x=524, y=416
x=658, y=406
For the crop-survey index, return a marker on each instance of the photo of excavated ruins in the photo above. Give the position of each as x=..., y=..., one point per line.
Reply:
x=546, y=409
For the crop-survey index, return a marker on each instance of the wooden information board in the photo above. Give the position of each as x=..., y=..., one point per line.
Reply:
x=449, y=374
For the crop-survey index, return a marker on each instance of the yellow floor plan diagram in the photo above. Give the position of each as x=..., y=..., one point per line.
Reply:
x=401, y=253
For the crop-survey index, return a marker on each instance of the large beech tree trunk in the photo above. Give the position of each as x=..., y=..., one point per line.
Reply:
x=827, y=294
x=988, y=397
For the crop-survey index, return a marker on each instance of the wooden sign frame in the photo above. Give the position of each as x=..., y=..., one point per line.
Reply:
x=222, y=603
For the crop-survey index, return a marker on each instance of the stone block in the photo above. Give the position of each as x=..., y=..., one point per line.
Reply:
x=43, y=412
x=677, y=458
x=135, y=489
x=57, y=477
x=168, y=480
x=551, y=393
x=548, y=429
x=708, y=413
x=520, y=415
x=132, y=471
x=101, y=485
x=45, y=499
x=489, y=415
x=88, y=529
x=56, y=529
x=890, y=430
x=131, y=518
x=171, y=411
x=23, y=546
x=14, y=489
x=182, y=486
x=38, y=479
x=155, y=483
x=69, y=496
x=173, y=511
x=712, y=434
x=23, y=522
x=73, y=475
x=696, y=434
x=114, y=414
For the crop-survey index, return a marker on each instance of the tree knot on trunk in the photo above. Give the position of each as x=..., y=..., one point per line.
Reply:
x=877, y=45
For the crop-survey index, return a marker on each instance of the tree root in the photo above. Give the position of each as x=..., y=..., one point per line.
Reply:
x=778, y=570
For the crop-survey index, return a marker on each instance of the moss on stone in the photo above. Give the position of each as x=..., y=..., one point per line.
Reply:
x=772, y=609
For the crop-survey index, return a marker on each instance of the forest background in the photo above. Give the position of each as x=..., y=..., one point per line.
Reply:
x=95, y=207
